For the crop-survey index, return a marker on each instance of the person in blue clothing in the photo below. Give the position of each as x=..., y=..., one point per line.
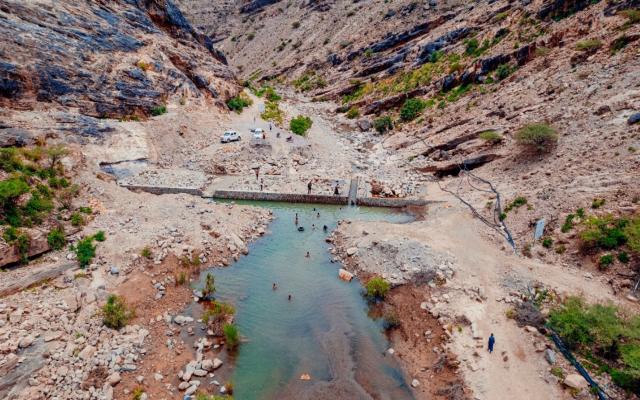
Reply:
x=492, y=341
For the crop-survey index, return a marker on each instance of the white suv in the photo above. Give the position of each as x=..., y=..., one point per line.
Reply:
x=230, y=136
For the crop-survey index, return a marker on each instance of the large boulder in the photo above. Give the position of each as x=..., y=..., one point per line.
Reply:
x=575, y=381
x=634, y=118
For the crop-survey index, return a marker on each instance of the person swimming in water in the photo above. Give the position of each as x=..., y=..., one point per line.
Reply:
x=296, y=218
x=325, y=228
x=308, y=255
x=289, y=297
x=275, y=286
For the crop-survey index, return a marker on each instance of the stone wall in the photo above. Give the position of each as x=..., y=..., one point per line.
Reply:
x=164, y=190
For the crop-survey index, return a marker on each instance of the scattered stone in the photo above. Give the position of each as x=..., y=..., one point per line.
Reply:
x=415, y=383
x=550, y=356
x=634, y=118
x=114, y=378
x=351, y=251
x=345, y=275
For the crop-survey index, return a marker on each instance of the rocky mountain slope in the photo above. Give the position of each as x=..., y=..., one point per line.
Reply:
x=481, y=71
x=116, y=59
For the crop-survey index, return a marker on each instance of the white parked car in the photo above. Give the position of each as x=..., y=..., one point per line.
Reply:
x=230, y=136
x=257, y=133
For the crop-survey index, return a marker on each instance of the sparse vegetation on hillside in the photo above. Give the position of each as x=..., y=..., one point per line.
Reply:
x=589, y=45
x=491, y=136
x=607, y=338
x=411, y=109
x=309, y=81
x=383, y=124
x=539, y=137
x=352, y=113
x=300, y=125
x=159, y=110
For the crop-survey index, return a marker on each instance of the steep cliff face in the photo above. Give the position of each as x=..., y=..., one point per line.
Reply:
x=106, y=58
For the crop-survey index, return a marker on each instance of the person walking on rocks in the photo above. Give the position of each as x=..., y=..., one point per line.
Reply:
x=309, y=187
x=492, y=341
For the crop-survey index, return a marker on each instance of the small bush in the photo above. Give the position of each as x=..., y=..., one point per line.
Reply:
x=300, y=125
x=159, y=110
x=492, y=137
x=503, y=71
x=209, y=286
x=568, y=223
x=547, y=242
x=619, y=43
x=580, y=213
x=137, y=393
x=597, y=203
x=85, y=251
x=353, y=113
x=56, y=239
x=589, y=45
x=10, y=234
x=238, y=103
x=23, y=242
x=272, y=112
x=632, y=15
x=623, y=257
x=115, y=313
x=560, y=249
x=605, y=261
x=85, y=210
x=99, y=236
x=383, y=124
x=391, y=321
x=411, y=109
x=377, y=288
x=540, y=137
x=516, y=203
x=181, y=278
x=146, y=252
x=76, y=219
x=231, y=336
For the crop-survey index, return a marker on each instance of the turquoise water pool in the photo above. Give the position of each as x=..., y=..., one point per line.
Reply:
x=323, y=331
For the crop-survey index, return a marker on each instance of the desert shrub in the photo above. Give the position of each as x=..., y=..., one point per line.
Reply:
x=547, y=242
x=383, y=124
x=146, y=252
x=516, y=203
x=605, y=261
x=67, y=195
x=623, y=257
x=632, y=233
x=137, y=393
x=589, y=45
x=181, y=278
x=159, y=110
x=10, y=234
x=580, y=213
x=503, y=71
x=85, y=251
x=231, y=335
x=597, y=203
x=353, y=113
x=300, y=125
x=100, y=236
x=412, y=108
x=56, y=239
x=377, y=288
x=22, y=243
x=604, y=232
x=619, y=43
x=238, y=103
x=568, y=223
x=390, y=321
x=37, y=206
x=632, y=15
x=491, y=136
x=560, y=249
x=309, y=81
x=76, y=219
x=58, y=183
x=540, y=137
x=116, y=313
x=209, y=286
x=272, y=112
x=216, y=310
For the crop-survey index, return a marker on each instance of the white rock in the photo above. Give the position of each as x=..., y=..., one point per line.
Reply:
x=415, y=383
x=114, y=378
x=575, y=381
x=351, y=251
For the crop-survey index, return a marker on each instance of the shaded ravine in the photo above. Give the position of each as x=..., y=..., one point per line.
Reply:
x=323, y=331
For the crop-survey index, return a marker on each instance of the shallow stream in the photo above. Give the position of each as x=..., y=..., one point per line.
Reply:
x=323, y=331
